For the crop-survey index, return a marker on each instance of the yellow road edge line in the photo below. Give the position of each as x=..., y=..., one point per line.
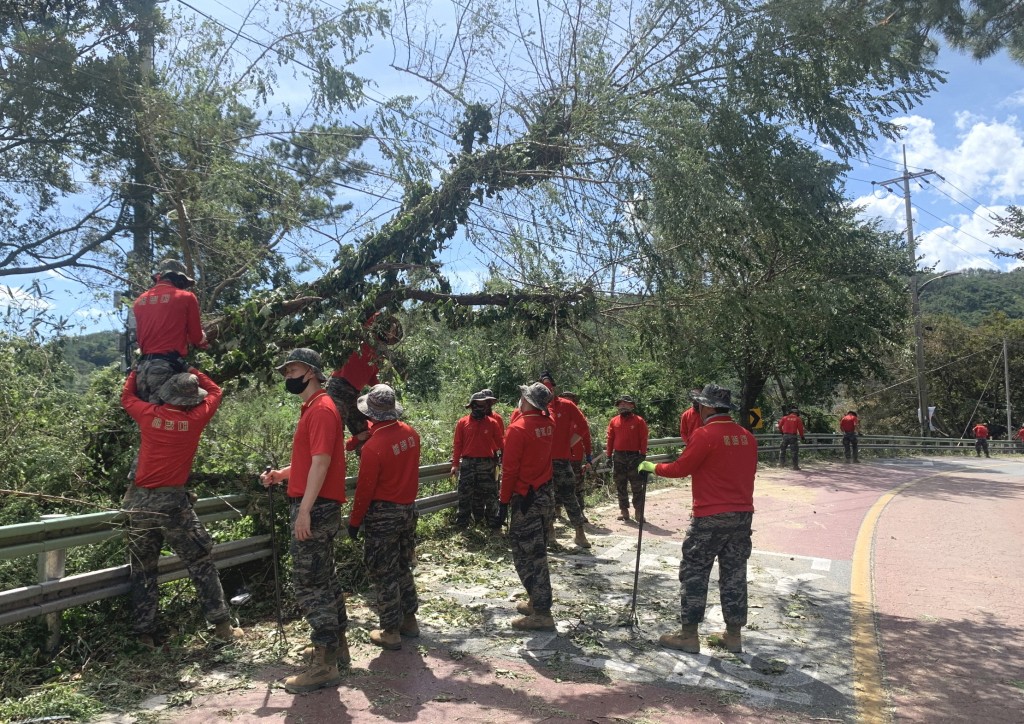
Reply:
x=868, y=689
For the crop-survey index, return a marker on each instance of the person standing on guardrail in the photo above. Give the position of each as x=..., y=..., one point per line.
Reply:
x=167, y=324
x=792, y=429
x=384, y=509
x=526, y=491
x=721, y=456
x=316, y=490
x=475, y=449
x=849, y=425
x=626, y=448
x=580, y=455
x=981, y=438
x=160, y=508
x=690, y=419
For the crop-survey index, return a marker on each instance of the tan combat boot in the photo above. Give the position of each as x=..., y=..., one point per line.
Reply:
x=525, y=607
x=321, y=672
x=388, y=639
x=624, y=514
x=581, y=538
x=225, y=632
x=686, y=640
x=410, y=626
x=343, y=657
x=733, y=639
x=536, y=621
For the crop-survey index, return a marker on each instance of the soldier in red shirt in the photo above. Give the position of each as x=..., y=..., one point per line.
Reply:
x=526, y=490
x=1020, y=436
x=981, y=438
x=722, y=459
x=490, y=399
x=385, y=509
x=626, y=448
x=569, y=423
x=690, y=419
x=158, y=505
x=475, y=449
x=316, y=490
x=167, y=324
x=792, y=429
x=580, y=455
x=850, y=427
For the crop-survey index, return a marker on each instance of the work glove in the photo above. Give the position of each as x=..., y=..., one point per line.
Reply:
x=353, y=531
x=645, y=467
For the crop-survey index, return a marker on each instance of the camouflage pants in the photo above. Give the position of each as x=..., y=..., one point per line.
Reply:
x=624, y=471
x=314, y=575
x=151, y=374
x=478, y=491
x=166, y=514
x=390, y=530
x=564, y=481
x=790, y=441
x=577, y=470
x=531, y=515
x=345, y=396
x=981, y=444
x=850, y=444
x=725, y=536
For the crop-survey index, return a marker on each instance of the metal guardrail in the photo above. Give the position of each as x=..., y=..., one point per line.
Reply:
x=49, y=537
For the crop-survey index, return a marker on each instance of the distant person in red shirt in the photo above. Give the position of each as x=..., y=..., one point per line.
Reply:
x=850, y=427
x=981, y=438
x=580, y=455
x=626, y=448
x=690, y=419
x=721, y=456
x=385, y=510
x=526, y=491
x=316, y=490
x=569, y=425
x=792, y=429
x=1020, y=436
x=158, y=504
x=475, y=449
x=167, y=324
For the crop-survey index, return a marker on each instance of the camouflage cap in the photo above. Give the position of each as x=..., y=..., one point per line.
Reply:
x=307, y=357
x=715, y=396
x=182, y=390
x=479, y=397
x=628, y=399
x=488, y=395
x=536, y=394
x=173, y=267
x=379, y=404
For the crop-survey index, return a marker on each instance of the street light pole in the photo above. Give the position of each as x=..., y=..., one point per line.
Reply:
x=915, y=301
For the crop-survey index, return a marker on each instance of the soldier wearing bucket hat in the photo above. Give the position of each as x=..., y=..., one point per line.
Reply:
x=792, y=429
x=475, y=448
x=569, y=427
x=316, y=490
x=721, y=456
x=159, y=506
x=167, y=325
x=385, y=511
x=626, y=447
x=526, y=493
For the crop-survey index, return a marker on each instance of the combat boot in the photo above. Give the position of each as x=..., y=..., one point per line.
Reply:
x=321, y=672
x=733, y=639
x=342, y=656
x=581, y=537
x=686, y=640
x=536, y=621
x=624, y=514
x=388, y=639
x=410, y=627
x=225, y=632
x=525, y=607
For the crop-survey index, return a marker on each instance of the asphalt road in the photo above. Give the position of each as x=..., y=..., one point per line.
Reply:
x=885, y=591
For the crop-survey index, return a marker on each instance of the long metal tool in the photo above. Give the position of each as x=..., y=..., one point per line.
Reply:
x=273, y=546
x=639, y=542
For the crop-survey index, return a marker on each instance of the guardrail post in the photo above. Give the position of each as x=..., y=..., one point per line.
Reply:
x=51, y=568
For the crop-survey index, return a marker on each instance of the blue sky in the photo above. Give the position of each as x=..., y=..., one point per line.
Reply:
x=969, y=132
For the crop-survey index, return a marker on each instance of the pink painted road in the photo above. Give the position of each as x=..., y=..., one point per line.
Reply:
x=946, y=590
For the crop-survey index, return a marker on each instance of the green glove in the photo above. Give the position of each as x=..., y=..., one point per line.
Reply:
x=645, y=467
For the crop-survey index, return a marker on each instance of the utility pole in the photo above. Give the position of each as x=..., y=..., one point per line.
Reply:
x=141, y=191
x=915, y=300
x=1006, y=374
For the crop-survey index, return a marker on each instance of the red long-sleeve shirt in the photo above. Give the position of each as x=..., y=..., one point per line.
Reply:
x=170, y=434
x=388, y=468
x=496, y=416
x=981, y=432
x=167, y=320
x=1020, y=434
x=848, y=423
x=527, y=458
x=569, y=422
x=627, y=434
x=688, y=422
x=722, y=458
x=585, y=445
x=476, y=438
x=360, y=369
x=791, y=424
x=319, y=432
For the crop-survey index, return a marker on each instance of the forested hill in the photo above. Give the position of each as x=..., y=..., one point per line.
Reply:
x=976, y=293
x=90, y=352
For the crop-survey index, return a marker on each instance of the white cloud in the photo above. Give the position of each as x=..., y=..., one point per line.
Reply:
x=18, y=298
x=1012, y=100
x=964, y=244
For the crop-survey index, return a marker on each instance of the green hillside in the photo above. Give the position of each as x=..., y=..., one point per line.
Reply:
x=976, y=293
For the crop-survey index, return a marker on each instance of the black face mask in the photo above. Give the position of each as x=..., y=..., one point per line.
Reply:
x=624, y=412
x=296, y=385
x=477, y=413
